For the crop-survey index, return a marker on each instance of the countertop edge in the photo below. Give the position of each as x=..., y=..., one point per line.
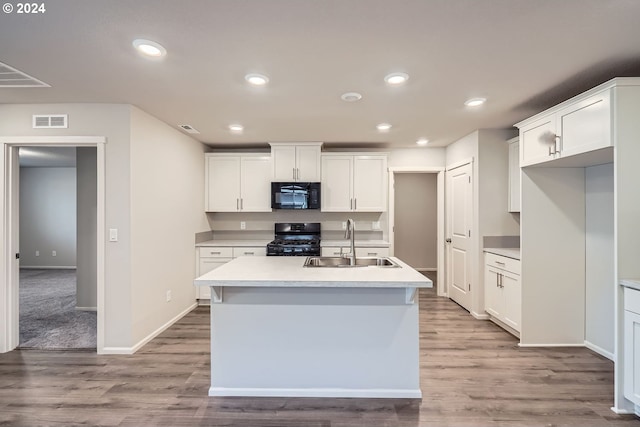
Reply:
x=513, y=253
x=630, y=283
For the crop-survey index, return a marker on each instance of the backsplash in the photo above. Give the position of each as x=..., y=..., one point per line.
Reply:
x=501, y=241
x=259, y=225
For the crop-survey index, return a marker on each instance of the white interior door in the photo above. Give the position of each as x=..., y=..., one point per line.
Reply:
x=459, y=220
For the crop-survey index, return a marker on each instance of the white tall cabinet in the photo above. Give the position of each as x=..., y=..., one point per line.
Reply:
x=237, y=182
x=562, y=252
x=354, y=182
x=296, y=161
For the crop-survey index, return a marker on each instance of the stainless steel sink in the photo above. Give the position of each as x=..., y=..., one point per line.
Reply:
x=326, y=261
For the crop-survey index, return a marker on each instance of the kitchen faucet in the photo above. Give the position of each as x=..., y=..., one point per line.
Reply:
x=350, y=233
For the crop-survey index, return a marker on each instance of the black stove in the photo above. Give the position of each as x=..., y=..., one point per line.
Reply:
x=295, y=239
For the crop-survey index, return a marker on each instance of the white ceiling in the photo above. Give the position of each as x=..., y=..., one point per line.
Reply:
x=523, y=55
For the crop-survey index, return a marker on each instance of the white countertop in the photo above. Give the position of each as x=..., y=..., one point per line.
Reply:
x=631, y=283
x=238, y=243
x=358, y=243
x=508, y=252
x=323, y=243
x=250, y=271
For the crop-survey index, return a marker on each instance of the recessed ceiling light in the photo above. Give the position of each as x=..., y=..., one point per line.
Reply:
x=351, y=96
x=149, y=48
x=475, y=102
x=257, y=79
x=422, y=141
x=383, y=127
x=236, y=128
x=396, y=79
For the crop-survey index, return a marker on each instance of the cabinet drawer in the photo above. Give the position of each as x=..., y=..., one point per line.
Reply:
x=372, y=252
x=329, y=251
x=503, y=263
x=217, y=252
x=250, y=251
x=632, y=300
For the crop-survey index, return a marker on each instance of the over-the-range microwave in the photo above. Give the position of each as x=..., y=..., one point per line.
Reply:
x=295, y=195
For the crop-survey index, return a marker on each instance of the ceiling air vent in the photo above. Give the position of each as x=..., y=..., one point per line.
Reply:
x=52, y=121
x=188, y=128
x=11, y=77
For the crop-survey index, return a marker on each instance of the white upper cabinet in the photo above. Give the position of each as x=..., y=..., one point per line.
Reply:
x=514, y=175
x=580, y=125
x=354, y=183
x=296, y=162
x=238, y=182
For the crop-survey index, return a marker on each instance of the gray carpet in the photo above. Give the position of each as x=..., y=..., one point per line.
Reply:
x=48, y=318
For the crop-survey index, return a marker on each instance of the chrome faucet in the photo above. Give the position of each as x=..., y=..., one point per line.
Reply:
x=350, y=233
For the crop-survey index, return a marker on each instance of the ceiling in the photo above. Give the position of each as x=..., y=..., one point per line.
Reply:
x=522, y=55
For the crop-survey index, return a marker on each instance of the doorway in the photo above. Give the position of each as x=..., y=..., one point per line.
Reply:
x=429, y=184
x=57, y=280
x=10, y=236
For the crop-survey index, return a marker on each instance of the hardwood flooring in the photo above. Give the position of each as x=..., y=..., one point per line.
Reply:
x=472, y=374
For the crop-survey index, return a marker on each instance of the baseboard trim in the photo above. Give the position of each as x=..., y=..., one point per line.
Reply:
x=551, y=345
x=316, y=392
x=141, y=343
x=597, y=349
x=479, y=316
x=621, y=411
x=48, y=267
x=86, y=308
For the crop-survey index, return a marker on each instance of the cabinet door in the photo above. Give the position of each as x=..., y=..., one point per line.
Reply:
x=586, y=125
x=222, y=184
x=538, y=141
x=492, y=292
x=512, y=300
x=335, y=193
x=514, y=176
x=308, y=163
x=370, y=183
x=205, y=265
x=255, y=184
x=284, y=163
x=632, y=356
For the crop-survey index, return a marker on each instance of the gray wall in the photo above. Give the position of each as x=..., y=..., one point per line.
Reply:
x=416, y=217
x=86, y=273
x=48, y=217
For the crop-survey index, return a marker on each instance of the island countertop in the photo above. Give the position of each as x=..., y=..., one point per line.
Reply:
x=286, y=271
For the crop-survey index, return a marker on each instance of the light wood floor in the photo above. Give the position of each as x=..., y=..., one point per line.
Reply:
x=473, y=374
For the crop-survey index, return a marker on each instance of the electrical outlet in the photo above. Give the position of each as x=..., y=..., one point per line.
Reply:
x=375, y=225
x=344, y=225
x=168, y=295
x=243, y=225
x=37, y=253
x=54, y=253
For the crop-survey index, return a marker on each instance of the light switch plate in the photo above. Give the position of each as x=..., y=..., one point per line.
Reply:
x=113, y=234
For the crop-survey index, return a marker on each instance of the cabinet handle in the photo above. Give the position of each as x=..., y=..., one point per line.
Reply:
x=297, y=173
x=293, y=173
x=241, y=204
x=501, y=279
x=216, y=253
x=355, y=204
x=237, y=204
x=249, y=253
x=372, y=253
x=499, y=262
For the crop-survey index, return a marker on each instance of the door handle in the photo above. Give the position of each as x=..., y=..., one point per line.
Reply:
x=448, y=240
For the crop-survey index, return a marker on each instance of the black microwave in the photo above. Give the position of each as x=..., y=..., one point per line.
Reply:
x=295, y=195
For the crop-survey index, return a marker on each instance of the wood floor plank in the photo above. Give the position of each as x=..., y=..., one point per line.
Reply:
x=472, y=374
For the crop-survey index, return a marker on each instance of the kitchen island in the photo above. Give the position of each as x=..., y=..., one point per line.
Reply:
x=281, y=329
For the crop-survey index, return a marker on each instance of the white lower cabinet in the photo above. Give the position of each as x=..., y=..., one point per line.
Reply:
x=502, y=290
x=632, y=345
x=210, y=258
x=360, y=251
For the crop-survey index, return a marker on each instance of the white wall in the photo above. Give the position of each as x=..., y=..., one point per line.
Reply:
x=48, y=217
x=167, y=210
x=416, y=214
x=599, y=250
x=416, y=157
x=86, y=197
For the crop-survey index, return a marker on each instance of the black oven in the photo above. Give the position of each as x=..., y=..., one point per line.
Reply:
x=295, y=195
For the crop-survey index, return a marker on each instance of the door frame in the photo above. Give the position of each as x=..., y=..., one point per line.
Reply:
x=9, y=286
x=441, y=288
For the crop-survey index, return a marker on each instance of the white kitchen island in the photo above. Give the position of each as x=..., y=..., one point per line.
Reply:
x=281, y=329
